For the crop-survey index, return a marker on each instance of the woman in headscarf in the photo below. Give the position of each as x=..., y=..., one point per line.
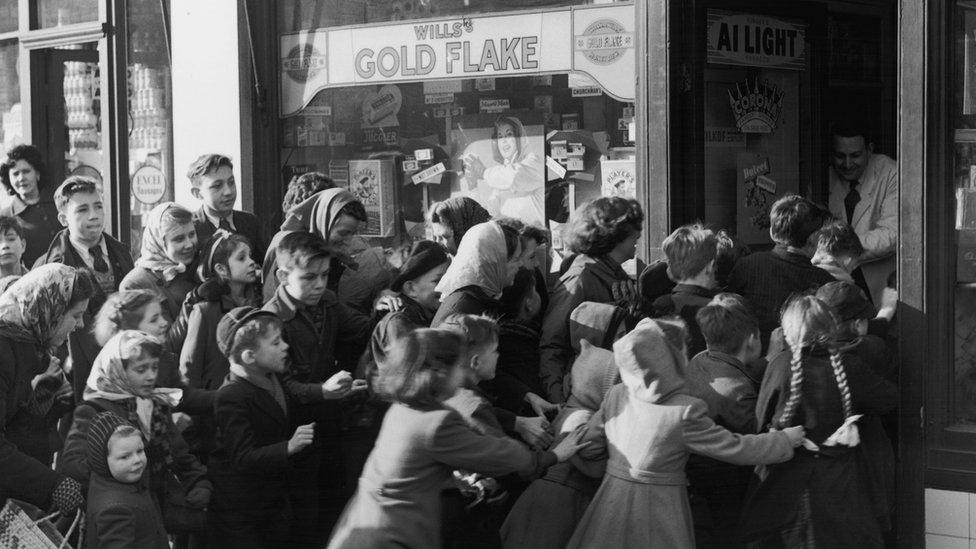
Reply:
x=486, y=262
x=123, y=381
x=36, y=315
x=31, y=199
x=169, y=246
x=516, y=181
x=357, y=273
x=451, y=218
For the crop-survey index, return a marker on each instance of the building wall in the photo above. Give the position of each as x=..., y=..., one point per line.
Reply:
x=950, y=519
x=206, y=86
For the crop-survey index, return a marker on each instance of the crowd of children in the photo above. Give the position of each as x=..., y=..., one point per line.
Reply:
x=322, y=392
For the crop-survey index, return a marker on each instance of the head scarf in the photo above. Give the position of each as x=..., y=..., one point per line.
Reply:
x=107, y=379
x=462, y=213
x=319, y=212
x=481, y=261
x=33, y=306
x=153, y=254
x=650, y=367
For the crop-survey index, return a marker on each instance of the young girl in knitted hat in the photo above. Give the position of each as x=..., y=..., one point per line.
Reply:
x=820, y=497
x=121, y=510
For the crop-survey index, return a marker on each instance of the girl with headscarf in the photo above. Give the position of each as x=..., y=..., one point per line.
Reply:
x=169, y=247
x=123, y=381
x=486, y=262
x=31, y=200
x=640, y=439
x=516, y=181
x=357, y=273
x=451, y=218
x=36, y=315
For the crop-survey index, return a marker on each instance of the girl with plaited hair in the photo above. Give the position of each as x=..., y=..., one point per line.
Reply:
x=820, y=497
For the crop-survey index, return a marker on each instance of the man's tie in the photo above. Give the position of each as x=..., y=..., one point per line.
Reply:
x=851, y=200
x=225, y=225
x=98, y=259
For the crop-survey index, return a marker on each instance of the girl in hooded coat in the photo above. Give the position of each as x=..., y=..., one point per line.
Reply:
x=643, y=434
x=486, y=262
x=357, y=272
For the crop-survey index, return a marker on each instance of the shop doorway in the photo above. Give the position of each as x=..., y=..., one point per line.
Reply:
x=69, y=118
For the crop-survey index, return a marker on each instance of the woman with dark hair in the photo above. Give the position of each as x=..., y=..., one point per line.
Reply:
x=486, y=262
x=451, y=218
x=23, y=175
x=37, y=314
x=604, y=234
x=516, y=181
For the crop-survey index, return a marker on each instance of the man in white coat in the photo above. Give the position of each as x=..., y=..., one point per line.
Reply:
x=864, y=193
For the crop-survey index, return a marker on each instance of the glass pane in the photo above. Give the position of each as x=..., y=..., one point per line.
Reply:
x=530, y=146
x=150, y=116
x=296, y=15
x=964, y=183
x=57, y=13
x=11, y=116
x=8, y=15
x=82, y=89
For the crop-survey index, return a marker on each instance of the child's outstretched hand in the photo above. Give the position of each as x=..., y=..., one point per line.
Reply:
x=568, y=446
x=540, y=406
x=796, y=435
x=303, y=437
x=337, y=386
x=534, y=431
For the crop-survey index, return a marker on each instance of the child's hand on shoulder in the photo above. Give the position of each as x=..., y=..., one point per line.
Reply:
x=796, y=435
x=568, y=446
x=303, y=437
x=540, y=406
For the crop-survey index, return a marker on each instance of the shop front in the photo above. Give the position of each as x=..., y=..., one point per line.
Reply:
x=528, y=108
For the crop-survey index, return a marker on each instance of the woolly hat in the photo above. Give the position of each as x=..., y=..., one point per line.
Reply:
x=232, y=321
x=100, y=430
x=424, y=257
x=846, y=300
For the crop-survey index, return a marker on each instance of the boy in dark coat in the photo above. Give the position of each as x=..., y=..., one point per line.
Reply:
x=691, y=251
x=253, y=466
x=767, y=279
x=84, y=244
x=212, y=182
x=727, y=378
x=325, y=338
x=121, y=510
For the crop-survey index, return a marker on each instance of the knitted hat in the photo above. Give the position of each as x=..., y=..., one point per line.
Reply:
x=424, y=257
x=232, y=321
x=100, y=430
x=846, y=300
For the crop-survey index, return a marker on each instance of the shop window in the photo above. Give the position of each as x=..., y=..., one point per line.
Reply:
x=11, y=119
x=58, y=13
x=8, y=15
x=150, y=117
x=460, y=100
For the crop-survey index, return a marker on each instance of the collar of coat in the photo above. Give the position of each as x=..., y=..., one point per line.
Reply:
x=286, y=307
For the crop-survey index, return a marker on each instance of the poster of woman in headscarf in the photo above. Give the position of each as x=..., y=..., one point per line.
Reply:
x=502, y=160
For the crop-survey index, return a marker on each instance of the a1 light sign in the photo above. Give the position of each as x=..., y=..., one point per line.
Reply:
x=755, y=41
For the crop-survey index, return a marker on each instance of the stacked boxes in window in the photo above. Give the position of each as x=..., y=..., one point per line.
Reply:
x=371, y=181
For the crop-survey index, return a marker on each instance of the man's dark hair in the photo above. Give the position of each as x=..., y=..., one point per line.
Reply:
x=848, y=129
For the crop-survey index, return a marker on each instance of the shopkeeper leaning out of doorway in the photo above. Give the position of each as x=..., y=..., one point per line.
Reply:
x=864, y=193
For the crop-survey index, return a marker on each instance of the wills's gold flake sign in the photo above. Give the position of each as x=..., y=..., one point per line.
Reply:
x=755, y=41
x=597, y=42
